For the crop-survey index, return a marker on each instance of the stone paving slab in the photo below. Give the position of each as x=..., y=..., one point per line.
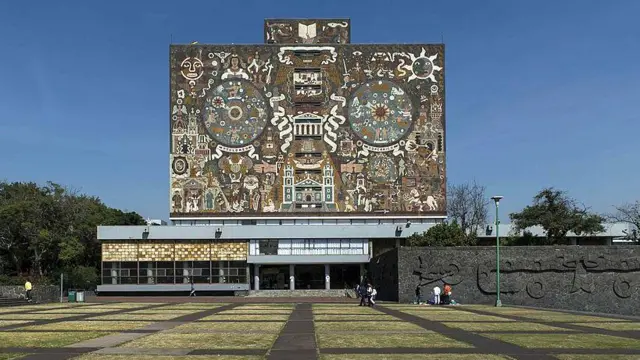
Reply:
x=108, y=341
x=297, y=339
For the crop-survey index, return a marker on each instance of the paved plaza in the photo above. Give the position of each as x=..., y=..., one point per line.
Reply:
x=234, y=331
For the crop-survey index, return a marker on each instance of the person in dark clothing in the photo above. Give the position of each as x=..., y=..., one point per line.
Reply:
x=193, y=288
x=418, y=299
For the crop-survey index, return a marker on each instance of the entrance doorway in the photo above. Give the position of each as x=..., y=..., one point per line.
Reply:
x=274, y=277
x=345, y=276
x=309, y=277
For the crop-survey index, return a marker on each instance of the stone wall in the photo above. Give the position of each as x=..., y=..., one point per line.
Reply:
x=586, y=278
x=383, y=274
x=40, y=294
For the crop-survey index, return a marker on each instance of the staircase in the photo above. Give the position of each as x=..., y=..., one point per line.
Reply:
x=302, y=293
x=7, y=301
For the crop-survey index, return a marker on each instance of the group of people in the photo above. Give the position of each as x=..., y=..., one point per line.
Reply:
x=438, y=296
x=367, y=294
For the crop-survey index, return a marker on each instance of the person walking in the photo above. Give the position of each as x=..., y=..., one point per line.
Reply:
x=418, y=299
x=27, y=288
x=193, y=289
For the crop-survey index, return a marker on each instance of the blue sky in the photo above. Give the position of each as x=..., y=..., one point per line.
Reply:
x=539, y=93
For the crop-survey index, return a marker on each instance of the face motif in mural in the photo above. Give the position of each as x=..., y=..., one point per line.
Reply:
x=191, y=68
x=235, y=113
x=380, y=112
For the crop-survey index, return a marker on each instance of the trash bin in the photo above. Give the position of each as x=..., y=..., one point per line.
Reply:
x=72, y=296
x=80, y=296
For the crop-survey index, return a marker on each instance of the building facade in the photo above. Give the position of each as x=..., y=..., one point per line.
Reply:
x=290, y=162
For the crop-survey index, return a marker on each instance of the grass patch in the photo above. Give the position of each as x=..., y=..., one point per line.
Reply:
x=325, y=317
x=596, y=357
x=35, y=316
x=414, y=357
x=74, y=311
x=166, y=357
x=455, y=316
x=615, y=326
x=9, y=356
x=229, y=326
x=125, y=305
x=257, y=312
x=204, y=341
x=388, y=341
x=223, y=316
x=560, y=317
x=358, y=310
x=267, y=306
x=91, y=325
x=364, y=326
x=190, y=306
x=162, y=311
x=45, y=339
x=136, y=317
x=567, y=341
x=13, y=322
x=502, y=326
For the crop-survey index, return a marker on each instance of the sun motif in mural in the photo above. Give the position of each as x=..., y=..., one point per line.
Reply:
x=423, y=66
x=235, y=113
x=380, y=112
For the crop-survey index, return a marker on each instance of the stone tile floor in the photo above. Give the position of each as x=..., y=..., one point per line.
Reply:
x=234, y=331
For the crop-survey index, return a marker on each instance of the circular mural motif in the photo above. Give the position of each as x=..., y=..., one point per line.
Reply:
x=380, y=112
x=235, y=113
x=382, y=169
x=422, y=67
x=180, y=165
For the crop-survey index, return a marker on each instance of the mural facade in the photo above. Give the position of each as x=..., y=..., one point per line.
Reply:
x=307, y=31
x=330, y=129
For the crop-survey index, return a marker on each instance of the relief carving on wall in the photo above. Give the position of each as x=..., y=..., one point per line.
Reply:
x=316, y=129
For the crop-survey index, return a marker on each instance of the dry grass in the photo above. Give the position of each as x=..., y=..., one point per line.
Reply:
x=615, y=326
x=365, y=326
x=455, y=316
x=35, y=316
x=165, y=357
x=257, y=312
x=45, y=339
x=388, y=341
x=13, y=322
x=502, y=326
x=415, y=357
x=354, y=317
x=224, y=316
x=204, y=341
x=567, y=341
x=164, y=311
x=229, y=326
x=91, y=325
x=560, y=317
x=8, y=356
x=596, y=357
x=75, y=311
x=136, y=317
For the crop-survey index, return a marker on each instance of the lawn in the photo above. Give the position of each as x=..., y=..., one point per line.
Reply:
x=137, y=317
x=378, y=316
x=364, y=326
x=163, y=357
x=567, y=341
x=246, y=317
x=229, y=326
x=615, y=326
x=90, y=325
x=414, y=357
x=502, y=326
x=328, y=340
x=455, y=316
x=45, y=339
x=204, y=341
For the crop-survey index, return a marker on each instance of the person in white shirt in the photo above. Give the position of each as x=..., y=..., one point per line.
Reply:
x=436, y=295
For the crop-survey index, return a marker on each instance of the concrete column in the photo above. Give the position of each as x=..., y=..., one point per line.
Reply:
x=362, y=272
x=397, y=243
x=292, y=277
x=150, y=273
x=114, y=273
x=185, y=272
x=256, y=277
x=327, y=276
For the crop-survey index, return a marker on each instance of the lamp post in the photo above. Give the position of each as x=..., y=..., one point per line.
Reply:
x=497, y=199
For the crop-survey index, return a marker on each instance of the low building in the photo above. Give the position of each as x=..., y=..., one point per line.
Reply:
x=614, y=233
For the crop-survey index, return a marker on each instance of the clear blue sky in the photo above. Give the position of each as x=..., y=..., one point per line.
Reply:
x=539, y=93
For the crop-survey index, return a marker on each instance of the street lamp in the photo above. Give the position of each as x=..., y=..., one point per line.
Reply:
x=497, y=199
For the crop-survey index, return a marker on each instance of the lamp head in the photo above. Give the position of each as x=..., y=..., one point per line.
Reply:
x=497, y=198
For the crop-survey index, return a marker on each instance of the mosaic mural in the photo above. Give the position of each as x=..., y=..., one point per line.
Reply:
x=307, y=31
x=278, y=130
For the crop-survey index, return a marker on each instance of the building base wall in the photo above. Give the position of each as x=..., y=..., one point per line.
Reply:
x=594, y=278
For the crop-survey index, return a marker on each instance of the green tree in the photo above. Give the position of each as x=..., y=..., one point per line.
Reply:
x=45, y=230
x=443, y=234
x=557, y=214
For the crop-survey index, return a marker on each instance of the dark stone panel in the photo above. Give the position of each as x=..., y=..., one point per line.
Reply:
x=307, y=31
x=583, y=278
x=284, y=130
x=383, y=274
x=40, y=293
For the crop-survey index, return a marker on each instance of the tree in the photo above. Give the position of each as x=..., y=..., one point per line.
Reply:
x=443, y=234
x=45, y=230
x=557, y=214
x=468, y=205
x=630, y=214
